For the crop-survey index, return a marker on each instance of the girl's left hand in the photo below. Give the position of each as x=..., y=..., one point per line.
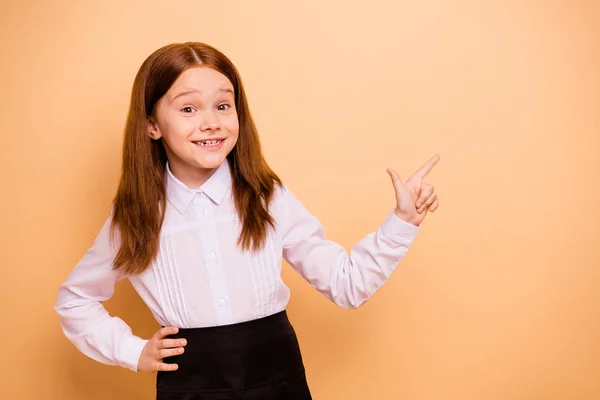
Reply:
x=415, y=197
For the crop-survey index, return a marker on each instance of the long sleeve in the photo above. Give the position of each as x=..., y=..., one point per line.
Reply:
x=83, y=318
x=346, y=279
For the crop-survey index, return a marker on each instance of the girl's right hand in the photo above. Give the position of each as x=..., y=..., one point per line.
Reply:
x=158, y=348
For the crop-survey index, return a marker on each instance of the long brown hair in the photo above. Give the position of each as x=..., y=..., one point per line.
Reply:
x=140, y=202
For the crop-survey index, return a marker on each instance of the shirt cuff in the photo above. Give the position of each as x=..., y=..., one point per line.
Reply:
x=130, y=352
x=399, y=231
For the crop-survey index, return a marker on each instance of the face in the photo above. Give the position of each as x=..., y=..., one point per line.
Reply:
x=197, y=122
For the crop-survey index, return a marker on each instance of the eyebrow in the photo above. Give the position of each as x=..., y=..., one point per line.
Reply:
x=185, y=93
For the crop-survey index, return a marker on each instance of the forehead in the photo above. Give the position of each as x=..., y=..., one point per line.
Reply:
x=200, y=79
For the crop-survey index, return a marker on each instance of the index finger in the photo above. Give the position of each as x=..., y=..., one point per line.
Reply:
x=166, y=331
x=424, y=170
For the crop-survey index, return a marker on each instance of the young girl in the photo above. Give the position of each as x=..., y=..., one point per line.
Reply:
x=200, y=225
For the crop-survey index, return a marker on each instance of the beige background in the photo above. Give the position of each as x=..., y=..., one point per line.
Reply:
x=498, y=298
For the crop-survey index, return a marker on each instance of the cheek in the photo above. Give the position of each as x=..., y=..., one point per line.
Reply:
x=232, y=125
x=177, y=130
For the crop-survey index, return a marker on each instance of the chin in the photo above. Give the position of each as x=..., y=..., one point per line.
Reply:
x=212, y=163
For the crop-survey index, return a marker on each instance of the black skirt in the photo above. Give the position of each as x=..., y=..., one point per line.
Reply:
x=258, y=359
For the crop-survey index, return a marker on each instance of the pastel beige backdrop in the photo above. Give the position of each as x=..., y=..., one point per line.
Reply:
x=499, y=298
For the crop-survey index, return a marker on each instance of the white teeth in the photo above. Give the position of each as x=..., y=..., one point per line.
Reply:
x=209, y=142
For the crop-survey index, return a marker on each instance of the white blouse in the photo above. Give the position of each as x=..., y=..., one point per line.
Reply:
x=201, y=278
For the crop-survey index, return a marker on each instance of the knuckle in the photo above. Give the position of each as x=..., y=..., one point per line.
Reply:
x=155, y=367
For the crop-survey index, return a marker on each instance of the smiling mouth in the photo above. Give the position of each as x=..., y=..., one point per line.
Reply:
x=208, y=143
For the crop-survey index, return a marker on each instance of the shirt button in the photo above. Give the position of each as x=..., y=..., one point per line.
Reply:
x=204, y=211
x=222, y=302
x=211, y=255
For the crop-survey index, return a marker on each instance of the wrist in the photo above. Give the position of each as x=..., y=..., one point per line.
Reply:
x=406, y=218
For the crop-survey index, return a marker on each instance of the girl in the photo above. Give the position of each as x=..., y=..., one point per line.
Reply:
x=200, y=225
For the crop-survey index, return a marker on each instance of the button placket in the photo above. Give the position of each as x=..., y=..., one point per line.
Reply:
x=214, y=268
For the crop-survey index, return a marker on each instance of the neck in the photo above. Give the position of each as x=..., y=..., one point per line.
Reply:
x=193, y=178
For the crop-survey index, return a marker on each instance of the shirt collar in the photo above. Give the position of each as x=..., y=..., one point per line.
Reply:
x=180, y=196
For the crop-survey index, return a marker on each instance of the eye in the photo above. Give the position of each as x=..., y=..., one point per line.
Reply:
x=188, y=109
x=223, y=107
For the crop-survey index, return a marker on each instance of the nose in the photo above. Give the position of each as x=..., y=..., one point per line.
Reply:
x=209, y=121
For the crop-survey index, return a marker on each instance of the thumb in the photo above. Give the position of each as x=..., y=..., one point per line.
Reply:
x=396, y=181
